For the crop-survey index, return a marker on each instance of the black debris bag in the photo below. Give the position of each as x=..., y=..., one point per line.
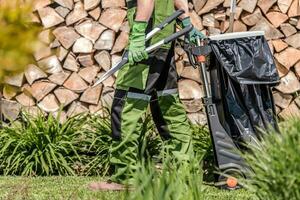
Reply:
x=242, y=72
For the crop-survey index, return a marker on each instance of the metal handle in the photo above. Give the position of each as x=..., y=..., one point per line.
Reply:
x=162, y=25
x=202, y=61
x=169, y=39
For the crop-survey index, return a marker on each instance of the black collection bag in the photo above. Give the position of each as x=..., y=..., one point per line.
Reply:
x=242, y=72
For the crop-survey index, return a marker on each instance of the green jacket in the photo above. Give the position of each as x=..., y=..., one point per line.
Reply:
x=136, y=76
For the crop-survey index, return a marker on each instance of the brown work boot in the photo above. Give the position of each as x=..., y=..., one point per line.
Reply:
x=106, y=186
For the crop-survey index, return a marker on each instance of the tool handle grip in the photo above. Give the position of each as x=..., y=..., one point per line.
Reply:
x=178, y=34
x=169, y=39
x=163, y=24
x=167, y=21
x=201, y=59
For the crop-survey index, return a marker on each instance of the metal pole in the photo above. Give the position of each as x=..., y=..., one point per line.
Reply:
x=232, y=15
x=206, y=87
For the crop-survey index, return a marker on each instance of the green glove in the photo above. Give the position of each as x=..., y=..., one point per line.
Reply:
x=194, y=33
x=137, y=43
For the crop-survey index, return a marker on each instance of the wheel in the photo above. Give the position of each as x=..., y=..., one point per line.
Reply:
x=229, y=179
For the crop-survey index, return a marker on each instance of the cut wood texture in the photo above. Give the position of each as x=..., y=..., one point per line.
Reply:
x=288, y=29
x=252, y=19
x=77, y=14
x=41, y=88
x=209, y=6
x=49, y=17
x=25, y=100
x=50, y=65
x=89, y=73
x=86, y=60
x=75, y=83
x=265, y=5
x=15, y=79
x=83, y=45
x=279, y=45
x=106, y=40
x=91, y=95
x=9, y=92
x=270, y=31
x=277, y=18
x=189, y=90
x=65, y=96
x=10, y=109
x=113, y=18
x=103, y=59
x=59, y=78
x=49, y=104
x=62, y=11
x=66, y=3
x=66, y=36
x=112, y=4
x=284, y=5
x=91, y=4
x=121, y=42
x=248, y=5
x=71, y=63
x=90, y=30
x=291, y=111
x=282, y=100
x=289, y=84
x=81, y=40
x=294, y=40
x=288, y=57
x=34, y=73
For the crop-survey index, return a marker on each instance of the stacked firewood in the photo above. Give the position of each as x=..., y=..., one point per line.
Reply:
x=81, y=39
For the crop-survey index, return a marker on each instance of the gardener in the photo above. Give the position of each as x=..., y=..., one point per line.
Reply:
x=148, y=79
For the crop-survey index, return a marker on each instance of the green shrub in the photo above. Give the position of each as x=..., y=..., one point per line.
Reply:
x=203, y=146
x=40, y=146
x=175, y=181
x=94, y=148
x=276, y=164
x=81, y=146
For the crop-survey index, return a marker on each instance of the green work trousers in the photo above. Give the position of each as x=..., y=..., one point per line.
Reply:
x=130, y=106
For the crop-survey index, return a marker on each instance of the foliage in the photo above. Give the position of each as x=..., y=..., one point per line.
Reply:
x=17, y=36
x=61, y=187
x=175, y=181
x=94, y=148
x=80, y=146
x=275, y=164
x=40, y=146
x=203, y=146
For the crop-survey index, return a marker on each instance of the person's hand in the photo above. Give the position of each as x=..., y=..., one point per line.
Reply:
x=137, y=43
x=194, y=33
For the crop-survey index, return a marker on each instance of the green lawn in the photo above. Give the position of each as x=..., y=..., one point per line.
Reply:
x=76, y=188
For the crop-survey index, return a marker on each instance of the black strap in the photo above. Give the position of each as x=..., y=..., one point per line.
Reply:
x=131, y=3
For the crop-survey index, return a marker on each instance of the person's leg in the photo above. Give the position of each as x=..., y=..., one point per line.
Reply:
x=168, y=112
x=126, y=117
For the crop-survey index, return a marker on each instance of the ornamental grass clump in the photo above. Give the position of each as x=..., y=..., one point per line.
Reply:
x=175, y=181
x=94, y=147
x=276, y=164
x=40, y=145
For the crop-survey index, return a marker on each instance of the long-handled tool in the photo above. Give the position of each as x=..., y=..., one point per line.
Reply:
x=228, y=160
x=151, y=48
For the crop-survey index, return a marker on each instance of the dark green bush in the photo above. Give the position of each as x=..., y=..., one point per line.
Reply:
x=94, y=148
x=276, y=164
x=81, y=146
x=40, y=146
